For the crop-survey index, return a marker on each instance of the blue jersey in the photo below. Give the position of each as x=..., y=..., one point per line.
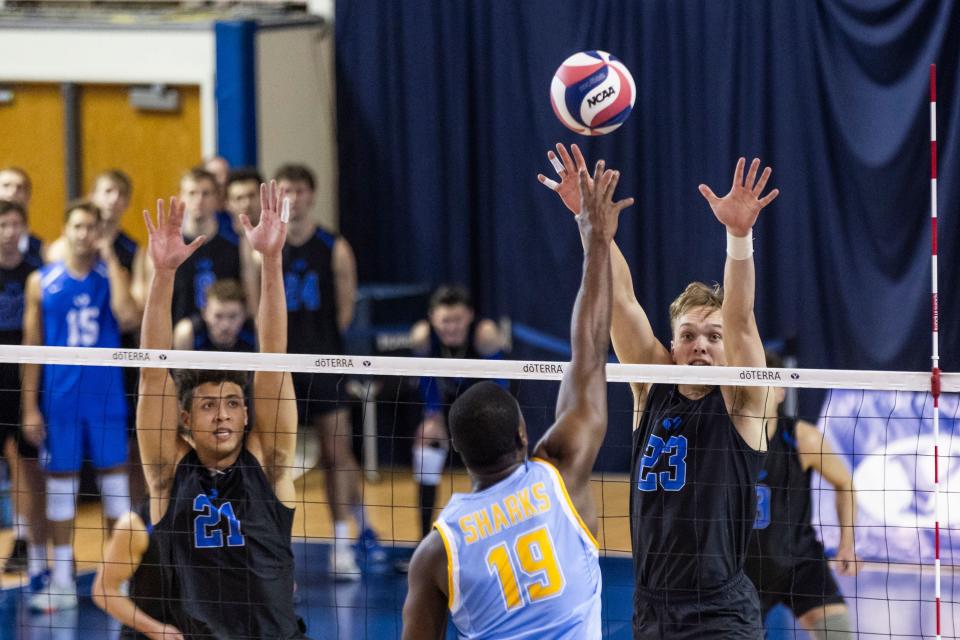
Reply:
x=76, y=313
x=520, y=561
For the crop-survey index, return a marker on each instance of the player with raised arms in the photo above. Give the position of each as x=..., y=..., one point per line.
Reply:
x=697, y=450
x=517, y=557
x=222, y=500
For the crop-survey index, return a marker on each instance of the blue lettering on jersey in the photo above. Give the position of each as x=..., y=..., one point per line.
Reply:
x=762, y=521
x=206, y=534
x=302, y=287
x=672, y=479
x=202, y=279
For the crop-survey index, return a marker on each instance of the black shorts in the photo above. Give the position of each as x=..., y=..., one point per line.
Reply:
x=731, y=611
x=10, y=415
x=806, y=585
x=319, y=394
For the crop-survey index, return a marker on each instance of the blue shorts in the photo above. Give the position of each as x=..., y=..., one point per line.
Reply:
x=73, y=437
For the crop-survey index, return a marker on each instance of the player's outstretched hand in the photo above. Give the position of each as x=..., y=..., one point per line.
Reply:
x=271, y=232
x=166, y=247
x=738, y=210
x=599, y=214
x=567, y=167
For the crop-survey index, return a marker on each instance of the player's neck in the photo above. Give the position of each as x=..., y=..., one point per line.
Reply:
x=11, y=259
x=481, y=481
x=298, y=234
x=193, y=227
x=80, y=265
x=694, y=391
x=217, y=463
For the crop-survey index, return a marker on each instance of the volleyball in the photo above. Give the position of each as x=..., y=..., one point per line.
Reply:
x=592, y=93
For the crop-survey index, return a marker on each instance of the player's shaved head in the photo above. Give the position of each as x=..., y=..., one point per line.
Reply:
x=485, y=427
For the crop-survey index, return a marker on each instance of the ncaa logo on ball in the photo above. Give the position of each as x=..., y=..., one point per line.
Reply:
x=592, y=93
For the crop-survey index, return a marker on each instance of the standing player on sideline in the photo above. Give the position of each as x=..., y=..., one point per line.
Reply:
x=243, y=195
x=450, y=331
x=697, y=450
x=26, y=480
x=223, y=325
x=83, y=301
x=320, y=276
x=16, y=186
x=535, y=514
x=785, y=560
x=222, y=501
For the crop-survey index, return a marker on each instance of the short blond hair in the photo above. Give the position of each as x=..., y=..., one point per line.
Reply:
x=697, y=294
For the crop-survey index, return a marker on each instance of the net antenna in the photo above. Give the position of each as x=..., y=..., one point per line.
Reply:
x=935, y=357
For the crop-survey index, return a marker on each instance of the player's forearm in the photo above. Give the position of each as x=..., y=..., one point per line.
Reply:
x=122, y=609
x=29, y=388
x=623, y=294
x=590, y=330
x=846, y=499
x=156, y=330
x=739, y=290
x=122, y=303
x=272, y=315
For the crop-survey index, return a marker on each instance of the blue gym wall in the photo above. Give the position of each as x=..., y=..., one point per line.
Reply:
x=444, y=122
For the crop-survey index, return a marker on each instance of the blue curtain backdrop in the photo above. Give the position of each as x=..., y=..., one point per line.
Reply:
x=445, y=120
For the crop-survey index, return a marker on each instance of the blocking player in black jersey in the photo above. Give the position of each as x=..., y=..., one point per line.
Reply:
x=320, y=276
x=147, y=610
x=224, y=254
x=27, y=484
x=222, y=501
x=786, y=561
x=697, y=450
x=451, y=330
x=16, y=186
x=223, y=325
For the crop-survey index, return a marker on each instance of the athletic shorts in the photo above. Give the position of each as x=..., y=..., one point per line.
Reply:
x=75, y=435
x=10, y=413
x=319, y=394
x=805, y=586
x=730, y=612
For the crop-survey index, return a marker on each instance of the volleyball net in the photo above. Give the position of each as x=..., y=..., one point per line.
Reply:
x=877, y=425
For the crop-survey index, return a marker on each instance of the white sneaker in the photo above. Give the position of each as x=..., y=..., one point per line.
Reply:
x=54, y=598
x=344, y=563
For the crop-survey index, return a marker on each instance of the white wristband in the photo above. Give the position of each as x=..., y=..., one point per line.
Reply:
x=740, y=248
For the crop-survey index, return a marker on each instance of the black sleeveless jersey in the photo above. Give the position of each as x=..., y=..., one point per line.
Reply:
x=126, y=249
x=311, y=296
x=692, y=494
x=228, y=538
x=782, y=535
x=151, y=586
x=13, y=283
x=246, y=339
x=33, y=246
x=218, y=258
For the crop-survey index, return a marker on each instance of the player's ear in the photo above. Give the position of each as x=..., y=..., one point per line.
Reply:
x=522, y=435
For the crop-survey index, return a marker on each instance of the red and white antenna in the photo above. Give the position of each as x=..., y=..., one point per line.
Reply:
x=935, y=358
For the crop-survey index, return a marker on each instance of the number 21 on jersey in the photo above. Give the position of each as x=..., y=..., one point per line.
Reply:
x=534, y=554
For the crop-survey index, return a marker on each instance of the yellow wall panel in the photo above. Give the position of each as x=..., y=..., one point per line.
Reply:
x=31, y=137
x=153, y=148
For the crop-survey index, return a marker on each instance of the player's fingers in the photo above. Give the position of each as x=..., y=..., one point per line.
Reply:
x=285, y=209
x=578, y=156
x=245, y=223
x=770, y=197
x=611, y=186
x=547, y=182
x=762, y=182
x=160, y=213
x=555, y=161
x=264, y=197
x=620, y=205
x=196, y=244
x=752, y=173
x=708, y=193
x=582, y=180
x=738, y=173
x=598, y=171
x=147, y=219
x=568, y=162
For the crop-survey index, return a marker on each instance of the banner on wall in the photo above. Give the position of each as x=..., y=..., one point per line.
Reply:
x=886, y=438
